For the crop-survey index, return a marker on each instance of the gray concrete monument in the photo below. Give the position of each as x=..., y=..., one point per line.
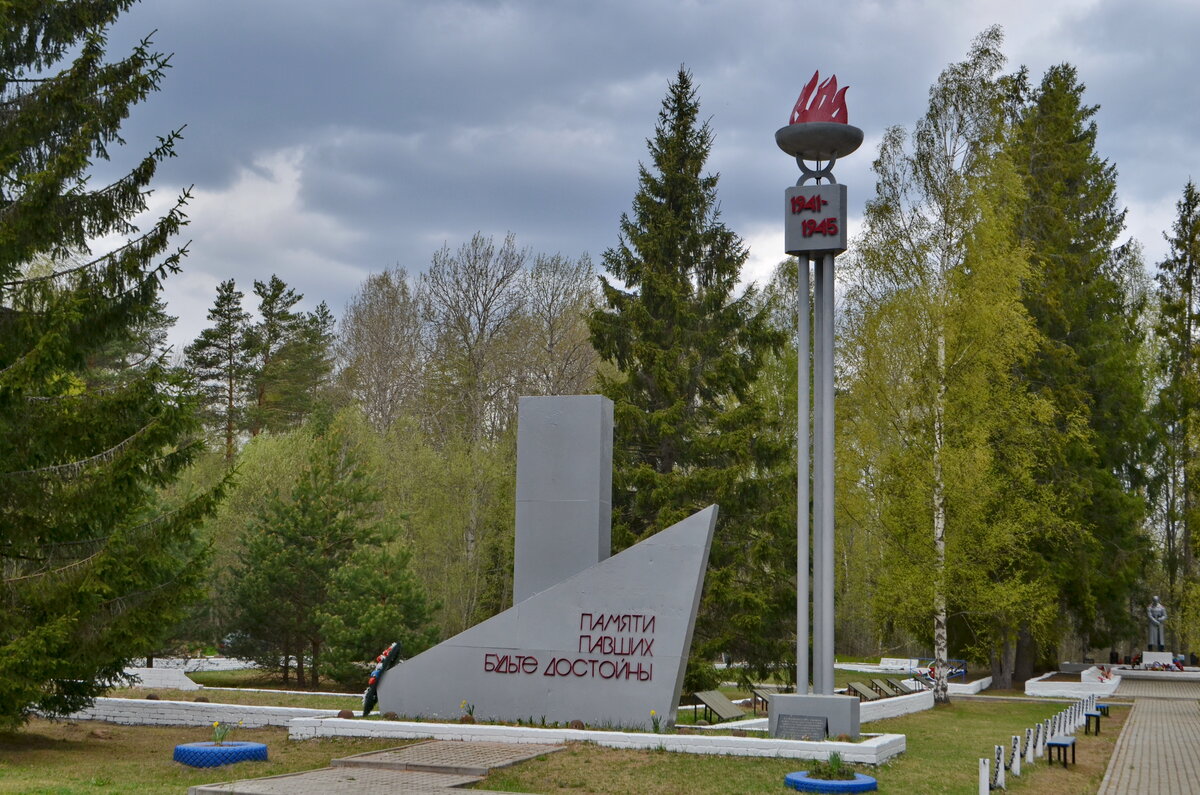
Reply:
x=605, y=646
x=564, y=489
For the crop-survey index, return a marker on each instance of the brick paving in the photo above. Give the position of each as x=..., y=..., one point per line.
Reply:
x=429, y=767
x=1159, y=747
x=1157, y=688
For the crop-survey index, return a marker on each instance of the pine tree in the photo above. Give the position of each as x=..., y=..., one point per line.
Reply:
x=277, y=326
x=91, y=574
x=1090, y=360
x=301, y=537
x=687, y=353
x=218, y=361
x=291, y=357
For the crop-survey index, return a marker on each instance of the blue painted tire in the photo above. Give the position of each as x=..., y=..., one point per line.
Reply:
x=212, y=755
x=800, y=781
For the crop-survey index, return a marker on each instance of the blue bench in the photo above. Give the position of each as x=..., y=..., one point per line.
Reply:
x=1103, y=709
x=1060, y=743
x=1088, y=717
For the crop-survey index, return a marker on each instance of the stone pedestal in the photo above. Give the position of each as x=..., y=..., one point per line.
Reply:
x=840, y=712
x=1161, y=657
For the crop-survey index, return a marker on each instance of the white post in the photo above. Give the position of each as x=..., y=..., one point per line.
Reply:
x=1014, y=764
x=1029, y=746
x=985, y=777
x=998, y=779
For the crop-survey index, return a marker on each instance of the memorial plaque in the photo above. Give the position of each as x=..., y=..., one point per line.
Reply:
x=802, y=727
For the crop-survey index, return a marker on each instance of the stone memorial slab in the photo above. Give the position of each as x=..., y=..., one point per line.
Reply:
x=605, y=646
x=802, y=727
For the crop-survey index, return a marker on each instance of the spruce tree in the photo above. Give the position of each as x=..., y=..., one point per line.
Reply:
x=1175, y=411
x=218, y=361
x=687, y=351
x=91, y=574
x=1090, y=360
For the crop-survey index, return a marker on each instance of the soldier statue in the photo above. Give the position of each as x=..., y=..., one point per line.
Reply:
x=1158, y=615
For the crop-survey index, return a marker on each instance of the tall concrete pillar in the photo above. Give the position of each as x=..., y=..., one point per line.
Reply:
x=564, y=489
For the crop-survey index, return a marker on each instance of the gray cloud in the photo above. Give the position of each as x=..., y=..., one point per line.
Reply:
x=327, y=140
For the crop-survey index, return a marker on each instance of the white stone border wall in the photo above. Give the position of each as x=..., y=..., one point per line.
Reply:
x=895, y=706
x=873, y=751
x=970, y=688
x=1037, y=687
x=151, y=712
x=173, y=678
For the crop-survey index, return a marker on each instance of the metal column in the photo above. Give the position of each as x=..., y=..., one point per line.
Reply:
x=823, y=485
x=802, y=472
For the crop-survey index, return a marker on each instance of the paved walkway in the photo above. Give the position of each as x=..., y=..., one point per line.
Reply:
x=1148, y=688
x=1159, y=747
x=432, y=767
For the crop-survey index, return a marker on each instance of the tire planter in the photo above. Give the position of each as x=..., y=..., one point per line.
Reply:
x=800, y=781
x=213, y=755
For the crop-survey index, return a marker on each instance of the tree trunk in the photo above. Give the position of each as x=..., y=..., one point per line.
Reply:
x=1003, y=665
x=301, y=682
x=313, y=670
x=940, y=644
x=1025, y=660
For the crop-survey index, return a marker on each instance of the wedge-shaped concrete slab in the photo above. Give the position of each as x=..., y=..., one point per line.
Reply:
x=606, y=646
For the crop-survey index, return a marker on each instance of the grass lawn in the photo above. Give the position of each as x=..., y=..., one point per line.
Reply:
x=943, y=748
x=351, y=702
x=101, y=758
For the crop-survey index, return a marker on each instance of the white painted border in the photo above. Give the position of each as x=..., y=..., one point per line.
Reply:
x=872, y=751
x=1042, y=689
x=970, y=688
x=895, y=706
x=154, y=712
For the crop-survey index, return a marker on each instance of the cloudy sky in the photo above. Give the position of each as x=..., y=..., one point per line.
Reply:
x=327, y=139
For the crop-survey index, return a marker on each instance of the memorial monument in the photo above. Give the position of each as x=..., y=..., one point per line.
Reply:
x=595, y=638
x=1158, y=617
x=815, y=231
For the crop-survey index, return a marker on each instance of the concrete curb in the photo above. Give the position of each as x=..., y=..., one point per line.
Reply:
x=874, y=750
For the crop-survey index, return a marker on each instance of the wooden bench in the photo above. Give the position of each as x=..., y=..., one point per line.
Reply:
x=1088, y=717
x=884, y=689
x=900, y=686
x=1060, y=743
x=762, y=694
x=863, y=692
x=715, y=703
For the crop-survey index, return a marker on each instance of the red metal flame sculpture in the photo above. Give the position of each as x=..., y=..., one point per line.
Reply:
x=827, y=105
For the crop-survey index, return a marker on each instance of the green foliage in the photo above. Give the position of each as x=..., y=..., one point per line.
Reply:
x=93, y=570
x=688, y=351
x=1090, y=362
x=374, y=599
x=945, y=435
x=1178, y=401
x=290, y=584
x=219, y=363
